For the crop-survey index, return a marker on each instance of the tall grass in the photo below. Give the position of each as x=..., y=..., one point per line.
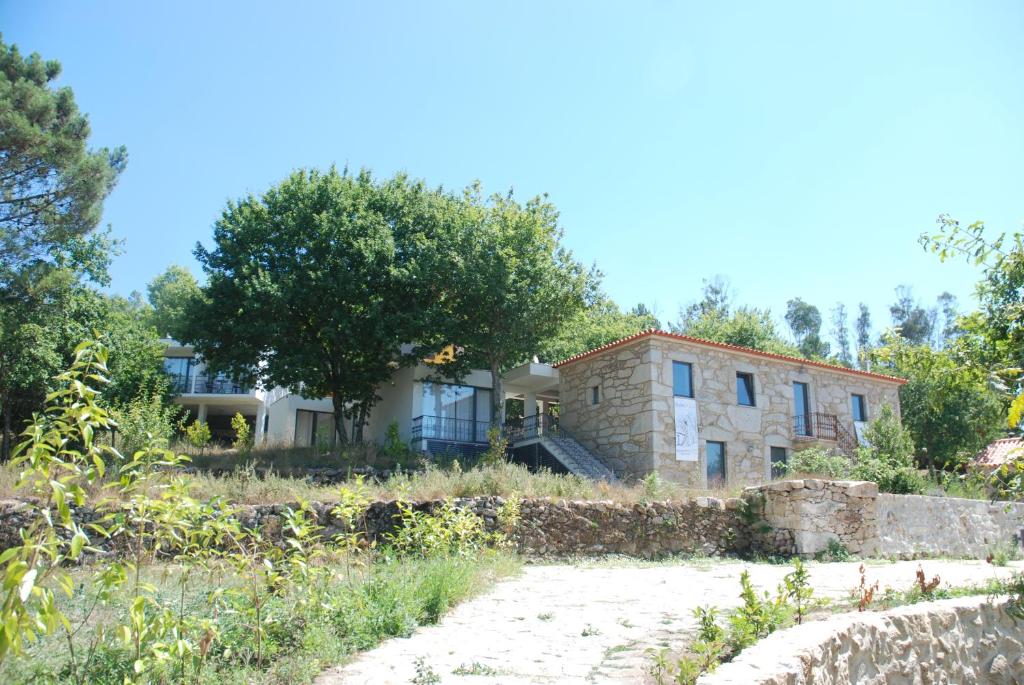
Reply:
x=246, y=486
x=389, y=597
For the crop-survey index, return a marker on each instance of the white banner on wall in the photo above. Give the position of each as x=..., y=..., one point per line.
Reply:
x=858, y=428
x=686, y=429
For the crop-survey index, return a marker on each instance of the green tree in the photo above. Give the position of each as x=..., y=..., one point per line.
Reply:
x=863, y=328
x=51, y=186
x=841, y=333
x=513, y=285
x=600, y=323
x=317, y=284
x=51, y=193
x=914, y=322
x=947, y=403
x=713, y=318
x=804, y=321
x=172, y=294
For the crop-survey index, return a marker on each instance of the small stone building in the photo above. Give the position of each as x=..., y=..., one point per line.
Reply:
x=704, y=413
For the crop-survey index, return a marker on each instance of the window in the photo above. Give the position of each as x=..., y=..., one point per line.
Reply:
x=778, y=459
x=179, y=368
x=745, y=389
x=314, y=429
x=860, y=407
x=459, y=413
x=715, y=452
x=682, y=379
x=595, y=394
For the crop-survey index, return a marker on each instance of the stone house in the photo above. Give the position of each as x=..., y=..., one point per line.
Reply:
x=699, y=412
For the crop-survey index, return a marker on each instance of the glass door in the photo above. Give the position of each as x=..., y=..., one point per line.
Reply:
x=801, y=409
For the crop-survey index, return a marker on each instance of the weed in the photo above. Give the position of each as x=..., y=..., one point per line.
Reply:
x=476, y=668
x=546, y=616
x=425, y=675
x=589, y=630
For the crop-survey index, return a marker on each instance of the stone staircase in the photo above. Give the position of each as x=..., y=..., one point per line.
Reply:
x=575, y=457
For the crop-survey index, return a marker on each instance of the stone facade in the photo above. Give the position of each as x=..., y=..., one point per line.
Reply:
x=965, y=640
x=632, y=426
x=911, y=526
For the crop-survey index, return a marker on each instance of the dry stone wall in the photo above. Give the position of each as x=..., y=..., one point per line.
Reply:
x=705, y=525
x=966, y=640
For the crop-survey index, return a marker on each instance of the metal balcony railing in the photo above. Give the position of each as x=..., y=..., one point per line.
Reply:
x=529, y=427
x=202, y=384
x=820, y=426
x=449, y=429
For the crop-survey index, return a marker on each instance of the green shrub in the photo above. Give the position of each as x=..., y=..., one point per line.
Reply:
x=819, y=462
x=243, y=434
x=197, y=435
x=143, y=421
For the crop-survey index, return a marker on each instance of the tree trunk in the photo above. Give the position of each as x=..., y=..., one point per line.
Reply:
x=5, y=445
x=497, y=397
x=339, y=420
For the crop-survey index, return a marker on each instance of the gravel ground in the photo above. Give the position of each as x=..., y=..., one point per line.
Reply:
x=594, y=623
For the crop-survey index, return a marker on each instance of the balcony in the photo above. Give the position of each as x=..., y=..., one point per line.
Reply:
x=202, y=384
x=448, y=429
x=827, y=427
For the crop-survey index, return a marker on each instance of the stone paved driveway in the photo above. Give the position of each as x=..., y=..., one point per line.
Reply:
x=579, y=624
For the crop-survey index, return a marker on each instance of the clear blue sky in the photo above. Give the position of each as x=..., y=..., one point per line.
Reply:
x=795, y=148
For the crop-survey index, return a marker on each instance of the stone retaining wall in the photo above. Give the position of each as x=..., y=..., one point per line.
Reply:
x=806, y=515
x=965, y=640
x=911, y=526
x=704, y=525
x=798, y=517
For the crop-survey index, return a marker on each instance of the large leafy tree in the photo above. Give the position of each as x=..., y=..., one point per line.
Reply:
x=513, y=285
x=804, y=322
x=52, y=187
x=171, y=295
x=947, y=404
x=600, y=323
x=317, y=284
x=995, y=333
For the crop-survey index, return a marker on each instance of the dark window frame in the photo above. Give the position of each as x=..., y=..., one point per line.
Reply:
x=689, y=377
x=858, y=401
x=707, y=462
x=777, y=472
x=741, y=378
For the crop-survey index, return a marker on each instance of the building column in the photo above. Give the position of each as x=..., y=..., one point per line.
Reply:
x=258, y=436
x=530, y=411
x=201, y=416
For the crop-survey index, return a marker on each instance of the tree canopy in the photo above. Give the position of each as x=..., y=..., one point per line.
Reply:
x=172, y=295
x=714, y=318
x=804, y=322
x=316, y=285
x=513, y=285
x=601, y=322
x=51, y=192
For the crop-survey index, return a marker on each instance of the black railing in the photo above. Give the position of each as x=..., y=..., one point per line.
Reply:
x=449, y=429
x=819, y=426
x=528, y=427
x=207, y=385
